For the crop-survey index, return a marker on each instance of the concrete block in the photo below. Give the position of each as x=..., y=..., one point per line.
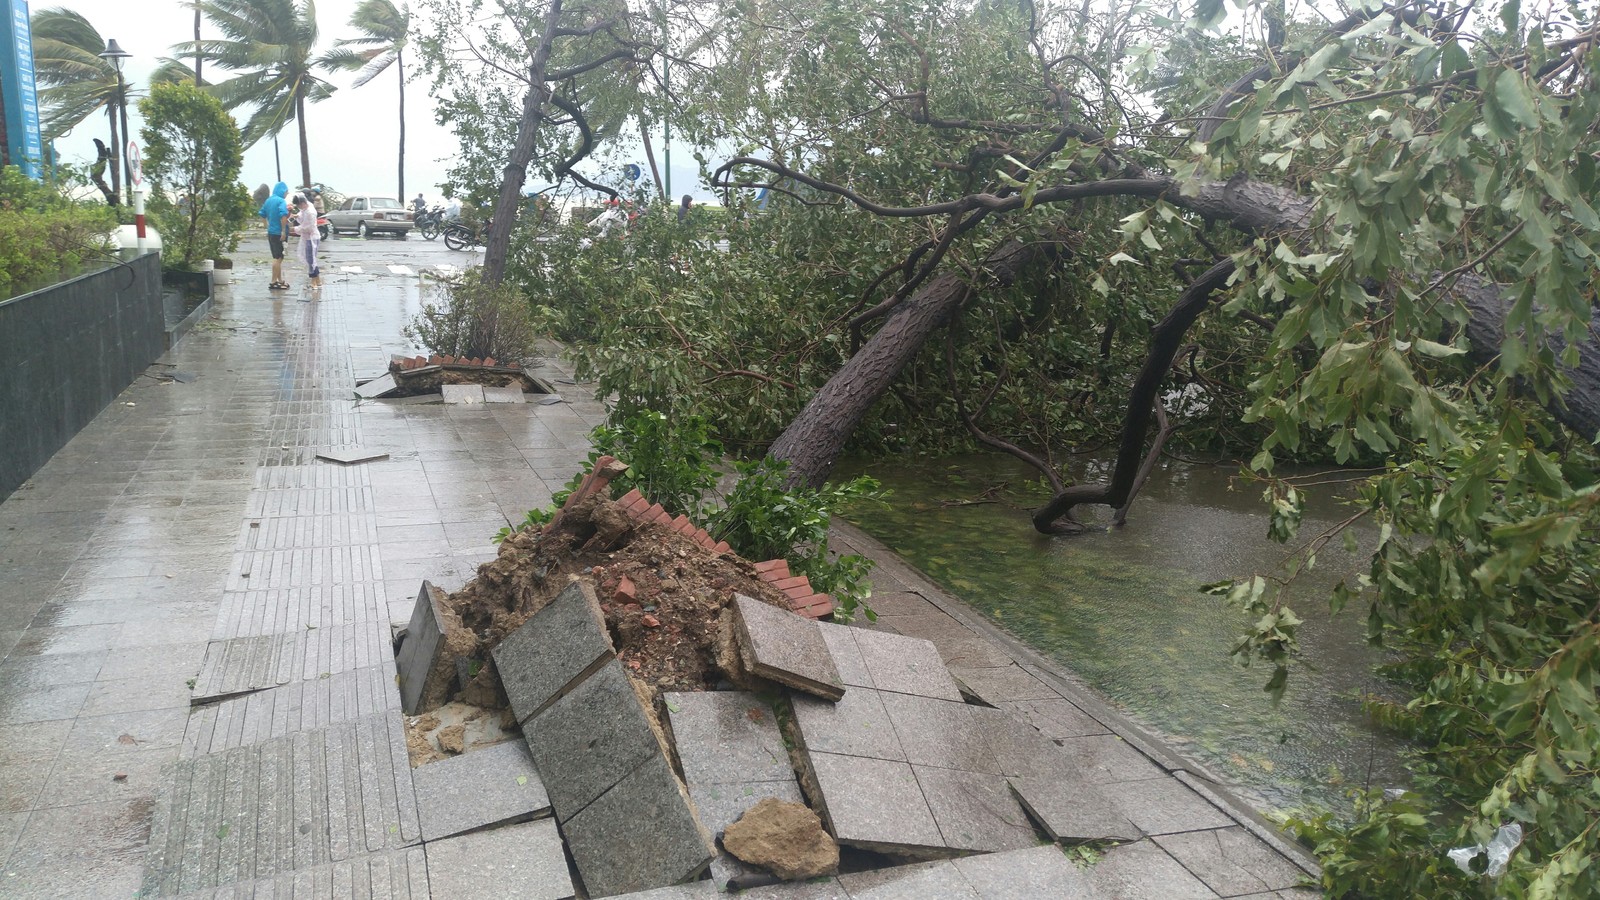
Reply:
x=906, y=665
x=523, y=861
x=874, y=804
x=553, y=649
x=641, y=834
x=725, y=737
x=479, y=789
x=590, y=739
x=780, y=646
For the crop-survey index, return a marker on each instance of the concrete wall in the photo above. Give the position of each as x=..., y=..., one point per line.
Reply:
x=66, y=352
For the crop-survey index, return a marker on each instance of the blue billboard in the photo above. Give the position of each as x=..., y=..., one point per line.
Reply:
x=23, y=140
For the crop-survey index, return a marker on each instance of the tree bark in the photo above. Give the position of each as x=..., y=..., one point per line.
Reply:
x=305, y=149
x=813, y=441
x=515, y=173
x=197, y=10
x=400, y=66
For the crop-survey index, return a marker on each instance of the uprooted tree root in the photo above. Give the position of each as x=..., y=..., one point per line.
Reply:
x=663, y=596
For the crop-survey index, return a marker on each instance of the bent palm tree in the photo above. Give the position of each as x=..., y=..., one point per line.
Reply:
x=269, y=43
x=76, y=83
x=384, y=44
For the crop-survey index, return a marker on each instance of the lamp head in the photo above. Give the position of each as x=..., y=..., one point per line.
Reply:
x=114, y=54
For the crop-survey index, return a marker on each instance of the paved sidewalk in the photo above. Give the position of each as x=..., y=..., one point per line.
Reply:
x=198, y=691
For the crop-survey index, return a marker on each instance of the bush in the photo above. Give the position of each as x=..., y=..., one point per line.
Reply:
x=42, y=234
x=475, y=320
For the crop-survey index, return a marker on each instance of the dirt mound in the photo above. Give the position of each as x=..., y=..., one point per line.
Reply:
x=662, y=594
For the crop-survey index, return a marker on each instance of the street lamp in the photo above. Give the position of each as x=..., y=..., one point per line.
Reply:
x=119, y=164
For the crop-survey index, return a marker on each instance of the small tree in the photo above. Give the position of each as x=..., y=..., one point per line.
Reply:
x=192, y=159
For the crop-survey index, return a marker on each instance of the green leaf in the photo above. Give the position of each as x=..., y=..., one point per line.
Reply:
x=1512, y=94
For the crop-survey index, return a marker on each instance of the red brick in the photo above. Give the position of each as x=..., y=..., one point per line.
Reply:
x=703, y=539
x=721, y=547
x=652, y=513
x=626, y=591
x=764, y=567
x=633, y=501
x=682, y=525
x=783, y=584
x=488, y=361
x=435, y=360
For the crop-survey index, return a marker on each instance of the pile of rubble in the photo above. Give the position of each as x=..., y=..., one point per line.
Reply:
x=678, y=716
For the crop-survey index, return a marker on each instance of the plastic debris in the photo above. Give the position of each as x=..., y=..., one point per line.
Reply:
x=1506, y=839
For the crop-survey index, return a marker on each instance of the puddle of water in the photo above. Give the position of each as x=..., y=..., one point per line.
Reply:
x=1123, y=610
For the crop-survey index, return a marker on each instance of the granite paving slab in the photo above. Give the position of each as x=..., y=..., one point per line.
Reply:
x=1100, y=759
x=841, y=642
x=726, y=736
x=874, y=804
x=503, y=395
x=521, y=861
x=1143, y=871
x=464, y=394
x=377, y=387
x=641, y=834
x=1057, y=719
x=486, y=787
x=919, y=881
x=591, y=739
x=556, y=647
x=906, y=665
x=1030, y=874
x=940, y=733
x=720, y=805
x=784, y=647
x=695, y=890
x=998, y=684
x=1232, y=861
x=974, y=811
x=240, y=665
x=1073, y=810
x=1016, y=747
x=418, y=658
x=1166, y=806
x=856, y=725
x=352, y=455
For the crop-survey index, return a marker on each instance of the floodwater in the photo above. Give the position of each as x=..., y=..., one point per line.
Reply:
x=1122, y=609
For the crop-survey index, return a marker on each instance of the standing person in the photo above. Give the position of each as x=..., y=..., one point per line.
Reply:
x=310, y=238
x=419, y=205
x=276, y=212
x=683, y=208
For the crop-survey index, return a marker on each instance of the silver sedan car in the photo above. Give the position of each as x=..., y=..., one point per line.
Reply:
x=365, y=215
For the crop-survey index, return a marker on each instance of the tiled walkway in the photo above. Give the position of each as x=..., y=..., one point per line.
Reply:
x=197, y=688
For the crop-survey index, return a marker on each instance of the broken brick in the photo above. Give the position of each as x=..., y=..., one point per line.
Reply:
x=626, y=590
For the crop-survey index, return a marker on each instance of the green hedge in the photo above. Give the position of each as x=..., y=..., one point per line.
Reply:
x=43, y=234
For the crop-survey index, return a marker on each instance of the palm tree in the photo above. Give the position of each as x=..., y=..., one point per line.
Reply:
x=269, y=43
x=76, y=82
x=384, y=44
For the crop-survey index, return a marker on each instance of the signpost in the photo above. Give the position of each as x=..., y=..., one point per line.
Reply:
x=136, y=178
x=24, y=142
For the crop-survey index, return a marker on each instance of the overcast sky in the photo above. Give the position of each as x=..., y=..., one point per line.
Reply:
x=352, y=135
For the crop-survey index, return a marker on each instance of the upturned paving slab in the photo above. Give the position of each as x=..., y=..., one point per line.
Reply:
x=486, y=787
x=554, y=650
x=419, y=652
x=640, y=834
x=591, y=739
x=784, y=647
x=724, y=737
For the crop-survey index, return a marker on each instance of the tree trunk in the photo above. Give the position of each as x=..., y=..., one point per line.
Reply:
x=400, y=67
x=515, y=173
x=305, y=150
x=813, y=441
x=116, y=160
x=650, y=157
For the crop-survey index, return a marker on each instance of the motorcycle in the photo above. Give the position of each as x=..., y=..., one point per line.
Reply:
x=458, y=236
x=430, y=222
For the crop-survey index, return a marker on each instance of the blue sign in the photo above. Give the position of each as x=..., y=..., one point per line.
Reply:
x=23, y=140
x=632, y=171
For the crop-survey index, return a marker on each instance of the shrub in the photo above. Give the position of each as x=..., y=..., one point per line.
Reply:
x=474, y=320
x=42, y=234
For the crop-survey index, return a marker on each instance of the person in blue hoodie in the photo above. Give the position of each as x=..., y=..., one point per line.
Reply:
x=276, y=212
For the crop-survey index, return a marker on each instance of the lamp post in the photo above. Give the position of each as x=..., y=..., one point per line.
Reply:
x=119, y=170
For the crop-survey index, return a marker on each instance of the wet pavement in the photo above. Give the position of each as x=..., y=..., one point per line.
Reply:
x=198, y=696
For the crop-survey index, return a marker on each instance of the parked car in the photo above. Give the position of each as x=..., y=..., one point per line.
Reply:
x=365, y=214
